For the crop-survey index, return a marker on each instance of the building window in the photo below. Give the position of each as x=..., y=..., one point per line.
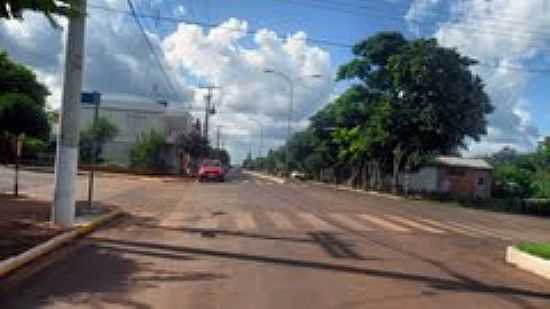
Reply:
x=456, y=171
x=480, y=181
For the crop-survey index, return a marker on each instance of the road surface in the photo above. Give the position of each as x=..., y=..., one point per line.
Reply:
x=251, y=243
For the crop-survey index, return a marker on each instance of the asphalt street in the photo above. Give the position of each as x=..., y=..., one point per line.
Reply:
x=252, y=243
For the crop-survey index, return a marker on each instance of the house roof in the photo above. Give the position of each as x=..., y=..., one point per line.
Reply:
x=462, y=162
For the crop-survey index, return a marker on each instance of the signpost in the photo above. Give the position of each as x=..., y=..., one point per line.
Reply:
x=92, y=98
x=18, y=147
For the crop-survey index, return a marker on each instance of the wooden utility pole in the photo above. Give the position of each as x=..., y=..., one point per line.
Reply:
x=208, y=109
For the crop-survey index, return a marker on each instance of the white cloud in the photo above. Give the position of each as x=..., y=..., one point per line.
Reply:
x=118, y=62
x=502, y=34
x=248, y=96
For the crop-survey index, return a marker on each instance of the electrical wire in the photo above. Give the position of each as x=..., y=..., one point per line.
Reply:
x=254, y=31
x=136, y=16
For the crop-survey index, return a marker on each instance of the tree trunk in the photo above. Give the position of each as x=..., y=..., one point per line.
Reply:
x=364, y=176
x=397, y=157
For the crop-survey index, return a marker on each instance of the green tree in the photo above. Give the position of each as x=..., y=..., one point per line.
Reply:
x=98, y=134
x=19, y=114
x=13, y=9
x=22, y=101
x=146, y=153
x=435, y=102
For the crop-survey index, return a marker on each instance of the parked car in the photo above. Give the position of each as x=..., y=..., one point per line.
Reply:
x=211, y=170
x=297, y=175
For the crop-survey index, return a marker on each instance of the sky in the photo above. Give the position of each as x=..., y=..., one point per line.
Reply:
x=229, y=44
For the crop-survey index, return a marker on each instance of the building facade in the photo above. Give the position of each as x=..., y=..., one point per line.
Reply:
x=458, y=177
x=133, y=117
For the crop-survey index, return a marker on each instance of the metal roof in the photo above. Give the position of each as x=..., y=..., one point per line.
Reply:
x=462, y=162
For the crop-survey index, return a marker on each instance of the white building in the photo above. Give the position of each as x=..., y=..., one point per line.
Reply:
x=134, y=116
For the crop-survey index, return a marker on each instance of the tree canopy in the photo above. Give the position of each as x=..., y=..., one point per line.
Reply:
x=98, y=133
x=22, y=101
x=13, y=9
x=408, y=100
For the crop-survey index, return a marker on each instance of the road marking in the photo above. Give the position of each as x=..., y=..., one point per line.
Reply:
x=384, y=223
x=245, y=221
x=350, y=222
x=416, y=225
x=209, y=223
x=280, y=221
x=448, y=227
x=480, y=230
x=315, y=221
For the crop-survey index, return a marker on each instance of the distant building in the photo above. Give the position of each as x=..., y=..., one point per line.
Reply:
x=459, y=177
x=133, y=117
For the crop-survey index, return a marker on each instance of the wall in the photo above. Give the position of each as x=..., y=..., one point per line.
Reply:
x=465, y=185
x=425, y=180
x=133, y=122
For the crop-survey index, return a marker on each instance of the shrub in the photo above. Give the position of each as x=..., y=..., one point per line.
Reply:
x=146, y=153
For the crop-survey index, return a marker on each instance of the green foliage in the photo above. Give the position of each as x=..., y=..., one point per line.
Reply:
x=13, y=9
x=18, y=79
x=146, y=153
x=96, y=134
x=222, y=155
x=410, y=100
x=20, y=114
x=194, y=144
x=32, y=147
x=538, y=249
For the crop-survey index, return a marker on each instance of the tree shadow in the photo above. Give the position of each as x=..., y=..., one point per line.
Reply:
x=336, y=247
x=443, y=284
x=100, y=275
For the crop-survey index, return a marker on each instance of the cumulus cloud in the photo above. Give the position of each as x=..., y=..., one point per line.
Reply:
x=249, y=99
x=504, y=35
x=119, y=62
x=117, y=59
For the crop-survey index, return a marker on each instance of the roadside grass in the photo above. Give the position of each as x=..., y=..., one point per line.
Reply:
x=538, y=249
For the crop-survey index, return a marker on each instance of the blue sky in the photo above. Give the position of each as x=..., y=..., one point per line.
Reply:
x=509, y=37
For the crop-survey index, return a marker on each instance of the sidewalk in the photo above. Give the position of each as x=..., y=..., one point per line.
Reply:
x=25, y=223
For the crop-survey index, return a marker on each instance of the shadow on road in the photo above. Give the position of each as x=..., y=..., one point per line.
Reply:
x=432, y=282
x=215, y=232
x=105, y=277
x=336, y=247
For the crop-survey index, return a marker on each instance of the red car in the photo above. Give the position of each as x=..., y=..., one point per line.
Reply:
x=211, y=170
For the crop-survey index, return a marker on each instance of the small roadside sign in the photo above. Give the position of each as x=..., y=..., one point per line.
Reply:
x=90, y=98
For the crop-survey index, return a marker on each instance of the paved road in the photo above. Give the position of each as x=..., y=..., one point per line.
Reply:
x=27, y=179
x=255, y=244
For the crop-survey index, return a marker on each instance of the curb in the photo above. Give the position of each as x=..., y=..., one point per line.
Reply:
x=272, y=178
x=350, y=189
x=528, y=262
x=15, y=262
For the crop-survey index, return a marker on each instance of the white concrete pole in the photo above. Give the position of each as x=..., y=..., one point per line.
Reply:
x=66, y=160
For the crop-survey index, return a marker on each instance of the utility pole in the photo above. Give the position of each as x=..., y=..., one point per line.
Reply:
x=66, y=160
x=261, y=141
x=218, y=137
x=208, y=110
x=91, y=181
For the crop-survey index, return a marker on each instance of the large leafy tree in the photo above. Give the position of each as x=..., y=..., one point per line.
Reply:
x=435, y=101
x=408, y=101
x=13, y=9
x=22, y=104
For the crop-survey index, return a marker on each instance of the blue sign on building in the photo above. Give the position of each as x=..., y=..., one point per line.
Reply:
x=90, y=98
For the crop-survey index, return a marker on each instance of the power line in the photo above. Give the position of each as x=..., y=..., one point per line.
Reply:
x=218, y=25
x=134, y=14
x=309, y=40
x=496, y=29
x=332, y=5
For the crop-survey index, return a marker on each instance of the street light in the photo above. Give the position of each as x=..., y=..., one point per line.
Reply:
x=290, y=82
